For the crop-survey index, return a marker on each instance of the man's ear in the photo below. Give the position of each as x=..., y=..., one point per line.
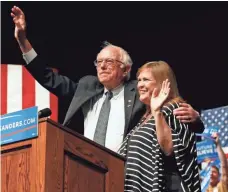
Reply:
x=127, y=69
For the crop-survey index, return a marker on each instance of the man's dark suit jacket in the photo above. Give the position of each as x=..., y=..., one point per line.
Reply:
x=87, y=88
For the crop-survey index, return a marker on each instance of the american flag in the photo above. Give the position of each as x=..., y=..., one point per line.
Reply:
x=218, y=117
x=19, y=90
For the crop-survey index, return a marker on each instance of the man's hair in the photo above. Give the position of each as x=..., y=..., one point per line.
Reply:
x=217, y=169
x=125, y=57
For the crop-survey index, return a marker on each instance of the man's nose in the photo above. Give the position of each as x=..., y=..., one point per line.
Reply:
x=103, y=65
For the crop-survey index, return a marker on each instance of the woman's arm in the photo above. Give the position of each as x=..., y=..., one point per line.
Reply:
x=164, y=133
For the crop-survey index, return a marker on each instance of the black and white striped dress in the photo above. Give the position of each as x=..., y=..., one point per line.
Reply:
x=144, y=169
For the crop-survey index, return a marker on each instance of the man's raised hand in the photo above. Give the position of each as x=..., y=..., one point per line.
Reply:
x=20, y=24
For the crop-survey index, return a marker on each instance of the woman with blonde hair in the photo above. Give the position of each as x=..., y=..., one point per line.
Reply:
x=160, y=150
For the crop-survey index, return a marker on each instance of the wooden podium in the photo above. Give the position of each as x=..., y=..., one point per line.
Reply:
x=60, y=160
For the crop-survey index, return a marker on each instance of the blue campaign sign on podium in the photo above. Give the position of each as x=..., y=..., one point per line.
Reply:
x=19, y=125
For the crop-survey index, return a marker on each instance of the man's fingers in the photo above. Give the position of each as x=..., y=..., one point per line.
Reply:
x=184, y=105
x=182, y=117
x=180, y=111
x=17, y=11
x=14, y=11
x=12, y=15
x=17, y=14
x=20, y=11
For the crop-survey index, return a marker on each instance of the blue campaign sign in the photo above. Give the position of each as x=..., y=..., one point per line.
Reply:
x=206, y=150
x=208, y=131
x=19, y=125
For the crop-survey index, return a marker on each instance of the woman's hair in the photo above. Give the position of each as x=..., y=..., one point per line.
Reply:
x=162, y=71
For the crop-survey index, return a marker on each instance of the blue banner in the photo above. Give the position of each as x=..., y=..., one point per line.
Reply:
x=208, y=131
x=206, y=150
x=19, y=125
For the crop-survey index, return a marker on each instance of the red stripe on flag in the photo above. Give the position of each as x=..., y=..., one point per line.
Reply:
x=54, y=107
x=28, y=89
x=3, y=89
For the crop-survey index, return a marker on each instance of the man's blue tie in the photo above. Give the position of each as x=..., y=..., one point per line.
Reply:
x=102, y=123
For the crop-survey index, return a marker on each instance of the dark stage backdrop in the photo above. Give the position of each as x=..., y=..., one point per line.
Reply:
x=190, y=36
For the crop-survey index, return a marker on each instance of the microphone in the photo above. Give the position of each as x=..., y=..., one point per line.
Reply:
x=44, y=113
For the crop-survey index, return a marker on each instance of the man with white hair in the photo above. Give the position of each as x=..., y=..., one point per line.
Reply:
x=108, y=104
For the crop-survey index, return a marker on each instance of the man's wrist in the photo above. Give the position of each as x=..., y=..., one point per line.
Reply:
x=197, y=116
x=29, y=56
x=21, y=40
x=198, y=119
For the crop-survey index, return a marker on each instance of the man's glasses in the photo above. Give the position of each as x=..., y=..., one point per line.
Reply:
x=107, y=62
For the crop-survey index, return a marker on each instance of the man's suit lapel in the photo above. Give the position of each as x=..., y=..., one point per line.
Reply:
x=78, y=100
x=129, y=100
